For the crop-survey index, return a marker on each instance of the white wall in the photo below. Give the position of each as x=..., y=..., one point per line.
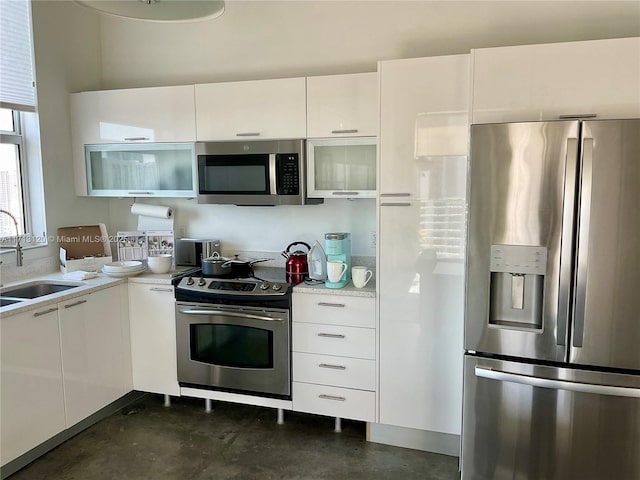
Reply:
x=67, y=58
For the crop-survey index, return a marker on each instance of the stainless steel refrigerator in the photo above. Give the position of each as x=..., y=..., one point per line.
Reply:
x=552, y=314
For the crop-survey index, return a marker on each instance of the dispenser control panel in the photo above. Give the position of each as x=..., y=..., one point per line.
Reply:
x=523, y=259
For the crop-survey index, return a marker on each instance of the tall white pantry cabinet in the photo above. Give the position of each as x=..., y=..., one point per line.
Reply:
x=423, y=145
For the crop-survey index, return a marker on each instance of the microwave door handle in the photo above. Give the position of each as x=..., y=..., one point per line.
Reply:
x=196, y=311
x=273, y=187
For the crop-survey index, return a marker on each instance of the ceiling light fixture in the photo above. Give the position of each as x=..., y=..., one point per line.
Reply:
x=164, y=11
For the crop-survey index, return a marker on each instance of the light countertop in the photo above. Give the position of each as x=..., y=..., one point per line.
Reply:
x=349, y=290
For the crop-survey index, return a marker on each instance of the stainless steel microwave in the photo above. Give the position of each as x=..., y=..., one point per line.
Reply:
x=264, y=173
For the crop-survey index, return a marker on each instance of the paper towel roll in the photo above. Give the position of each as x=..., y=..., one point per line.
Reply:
x=153, y=217
x=155, y=211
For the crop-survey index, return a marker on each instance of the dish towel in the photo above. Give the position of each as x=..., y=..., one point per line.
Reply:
x=80, y=275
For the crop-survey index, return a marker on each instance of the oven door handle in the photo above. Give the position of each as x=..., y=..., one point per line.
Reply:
x=193, y=311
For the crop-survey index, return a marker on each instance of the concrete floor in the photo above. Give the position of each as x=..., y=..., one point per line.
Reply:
x=231, y=442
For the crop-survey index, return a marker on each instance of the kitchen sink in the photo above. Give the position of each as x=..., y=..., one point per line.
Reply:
x=8, y=301
x=35, y=290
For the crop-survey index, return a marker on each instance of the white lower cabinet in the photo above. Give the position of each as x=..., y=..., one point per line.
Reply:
x=334, y=363
x=153, y=338
x=32, y=398
x=94, y=366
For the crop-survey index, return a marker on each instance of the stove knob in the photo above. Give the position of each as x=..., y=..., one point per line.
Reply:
x=276, y=287
x=264, y=286
x=190, y=281
x=202, y=282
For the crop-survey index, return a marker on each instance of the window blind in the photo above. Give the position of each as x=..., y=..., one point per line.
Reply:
x=17, y=89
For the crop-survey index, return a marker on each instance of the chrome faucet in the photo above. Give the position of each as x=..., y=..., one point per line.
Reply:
x=18, y=247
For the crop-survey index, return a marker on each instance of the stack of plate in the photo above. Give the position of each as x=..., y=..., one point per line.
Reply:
x=127, y=268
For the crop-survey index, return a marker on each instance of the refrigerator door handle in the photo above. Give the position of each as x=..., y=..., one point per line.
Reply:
x=568, y=208
x=486, y=372
x=583, y=246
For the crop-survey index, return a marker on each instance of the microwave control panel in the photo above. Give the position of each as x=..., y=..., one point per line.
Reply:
x=288, y=174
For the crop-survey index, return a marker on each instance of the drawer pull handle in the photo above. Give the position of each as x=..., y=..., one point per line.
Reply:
x=334, y=367
x=331, y=397
x=327, y=304
x=331, y=335
x=135, y=139
x=37, y=314
x=156, y=289
x=349, y=130
x=75, y=304
x=248, y=134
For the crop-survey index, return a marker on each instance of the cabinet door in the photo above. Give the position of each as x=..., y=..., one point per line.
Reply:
x=342, y=105
x=340, y=168
x=423, y=114
x=542, y=82
x=32, y=397
x=142, y=170
x=93, y=365
x=153, y=338
x=139, y=115
x=261, y=109
x=421, y=286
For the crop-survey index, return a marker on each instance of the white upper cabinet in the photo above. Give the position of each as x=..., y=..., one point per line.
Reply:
x=158, y=114
x=424, y=104
x=342, y=105
x=251, y=110
x=544, y=82
x=131, y=116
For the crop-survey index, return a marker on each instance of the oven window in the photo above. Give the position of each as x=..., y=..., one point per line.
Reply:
x=231, y=345
x=240, y=174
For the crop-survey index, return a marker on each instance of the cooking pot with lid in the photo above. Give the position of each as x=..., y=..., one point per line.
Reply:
x=297, y=267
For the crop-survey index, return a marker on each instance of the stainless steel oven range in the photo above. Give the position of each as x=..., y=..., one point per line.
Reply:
x=234, y=334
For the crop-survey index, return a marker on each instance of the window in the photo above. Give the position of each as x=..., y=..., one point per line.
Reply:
x=21, y=190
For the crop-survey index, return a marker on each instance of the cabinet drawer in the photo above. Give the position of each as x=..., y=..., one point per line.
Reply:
x=334, y=340
x=334, y=310
x=336, y=371
x=335, y=402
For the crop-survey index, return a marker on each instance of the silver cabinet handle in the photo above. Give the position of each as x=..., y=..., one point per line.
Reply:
x=333, y=367
x=157, y=289
x=395, y=204
x=133, y=139
x=564, y=298
x=327, y=304
x=140, y=193
x=351, y=194
x=499, y=375
x=248, y=134
x=331, y=397
x=75, y=304
x=577, y=116
x=395, y=194
x=351, y=130
x=193, y=311
x=583, y=245
x=331, y=335
x=38, y=314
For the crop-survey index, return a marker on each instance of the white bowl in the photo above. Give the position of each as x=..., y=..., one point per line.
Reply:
x=159, y=263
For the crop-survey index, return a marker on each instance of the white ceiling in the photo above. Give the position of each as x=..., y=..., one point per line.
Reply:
x=269, y=39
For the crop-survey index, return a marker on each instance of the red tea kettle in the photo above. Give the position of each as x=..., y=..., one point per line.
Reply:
x=297, y=267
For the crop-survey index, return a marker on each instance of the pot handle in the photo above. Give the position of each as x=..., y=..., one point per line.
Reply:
x=297, y=243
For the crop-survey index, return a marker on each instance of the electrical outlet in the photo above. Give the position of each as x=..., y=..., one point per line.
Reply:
x=373, y=238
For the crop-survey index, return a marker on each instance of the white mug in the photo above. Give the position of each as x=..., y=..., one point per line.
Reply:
x=336, y=270
x=360, y=276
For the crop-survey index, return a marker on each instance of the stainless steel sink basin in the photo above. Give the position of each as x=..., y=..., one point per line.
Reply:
x=35, y=290
x=8, y=301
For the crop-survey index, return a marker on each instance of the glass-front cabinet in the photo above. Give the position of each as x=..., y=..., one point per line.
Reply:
x=141, y=170
x=341, y=167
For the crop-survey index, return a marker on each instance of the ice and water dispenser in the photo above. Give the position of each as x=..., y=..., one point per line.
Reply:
x=517, y=286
